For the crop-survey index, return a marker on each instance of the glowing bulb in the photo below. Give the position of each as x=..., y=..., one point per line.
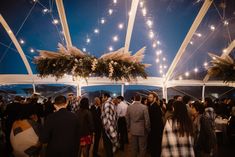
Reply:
x=102, y=21
x=187, y=74
x=9, y=31
x=126, y=83
x=110, y=48
x=165, y=66
x=163, y=75
x=151, y=34
x=45, y=10
x=212, y=27
x=22, y=41
x=159, y=52
x=84, y=49
x=144, y=11
x=114, y=1
x=191, y=42
x=115, y=38
x=157, y=60
x=34, y=0
x=154, y=45
x=164, y=59
x=224, y=50
x=129, y=13
x=96, y=31
x=160, y=66
x=180, y=78
x=110, y=11
x=195, y=70
x=226, y=23
x=55, y=21
x=149, y=23
x=141, y=4
x=32, y=50
x=199, y=34
x=88, y=40
x=158, y=42
x=205, y=64
x=161, y=71
x=213, y=58
x=120, y=26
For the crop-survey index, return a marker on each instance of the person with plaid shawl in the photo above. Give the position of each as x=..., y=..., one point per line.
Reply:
x=109, y=122
x=177, y=140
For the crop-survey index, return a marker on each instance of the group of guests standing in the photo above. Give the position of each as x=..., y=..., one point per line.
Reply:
x=178, y=128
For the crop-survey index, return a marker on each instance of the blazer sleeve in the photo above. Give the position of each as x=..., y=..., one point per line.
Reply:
x=128, y=118
x=46, y=131
x=146, y=118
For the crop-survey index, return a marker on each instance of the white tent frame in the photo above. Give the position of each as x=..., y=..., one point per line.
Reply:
x=165, y=82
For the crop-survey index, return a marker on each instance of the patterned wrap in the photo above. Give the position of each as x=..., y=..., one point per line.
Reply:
x=109, y=121
x=174, y=145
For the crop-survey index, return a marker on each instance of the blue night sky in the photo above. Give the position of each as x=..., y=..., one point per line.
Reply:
x=171, y=21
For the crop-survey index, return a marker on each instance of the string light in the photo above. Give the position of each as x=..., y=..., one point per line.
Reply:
x=195, y=70
x=180, y=78
x=160, y=66
x=199, y=34
x=141, y=4
x=187, y=74
x=212, y=27
x=84, y=49
x=114, y=1
x=55, y=21
x=157, y=60
x=158, y=42
x=32, y=50
x=126, y=83
x=154, y=45
x=102, y=21
x=121, y=25
x=144, y=11
x=96, y=31
x=165, y=66
x=9, y=31
x=115, y=38
x=110, y=48
x=160, y=71
x=45, y=10
x=22, y=41
x=110, y=11
x=191, y=42
x=205, y=64
x=159, y=52
x=88, y=40
x=149, y=23
x=164, y=59
x=224, y=50
x=226, y=23
x=151, y=34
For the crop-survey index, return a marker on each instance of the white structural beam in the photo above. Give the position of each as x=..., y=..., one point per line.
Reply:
x=18, y=47
x=203, y=92
x=226, y=51
x=122, y=90
x=97, y=81
x=131, y=21
x=60, y=8
x=197, y=21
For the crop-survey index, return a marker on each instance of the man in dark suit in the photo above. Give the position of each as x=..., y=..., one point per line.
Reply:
x=138, y=124
x=96, y=114
x=61, y=131
x=156, y=123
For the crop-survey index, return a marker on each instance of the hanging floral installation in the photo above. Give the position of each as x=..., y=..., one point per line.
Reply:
x=222, y=67
x=117, y=65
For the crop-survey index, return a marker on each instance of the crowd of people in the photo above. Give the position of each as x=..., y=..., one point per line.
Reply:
x=70, y=126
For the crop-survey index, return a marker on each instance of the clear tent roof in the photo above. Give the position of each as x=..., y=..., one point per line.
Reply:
x=99, y=26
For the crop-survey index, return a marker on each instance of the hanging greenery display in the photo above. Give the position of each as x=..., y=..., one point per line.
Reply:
x=116, y=65
x=222, y=67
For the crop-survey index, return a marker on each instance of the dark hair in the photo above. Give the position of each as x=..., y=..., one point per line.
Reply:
x=106, y=95
x=181, y=117
x=137, y=97
x=143, y=100
x=84, y=103
x=60, y=100
x=199, y=107
x=120, y=97
x=186, y=99
x=209, y=102
x=26, y=110
x=169, y=105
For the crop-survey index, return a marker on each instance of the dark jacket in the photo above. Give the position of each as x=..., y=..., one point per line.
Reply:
x=96, y=115
x=61, y=133
x=86, y=122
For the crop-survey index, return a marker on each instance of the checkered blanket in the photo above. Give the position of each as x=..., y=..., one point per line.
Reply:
x=174, y=145
x=109, y=121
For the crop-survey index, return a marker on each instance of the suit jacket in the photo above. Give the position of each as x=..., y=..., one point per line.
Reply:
x=61, y=133
x=137, y=117
x=96, y=114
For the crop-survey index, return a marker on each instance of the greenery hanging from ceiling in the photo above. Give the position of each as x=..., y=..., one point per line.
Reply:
x=222, y=67
x=117, y=65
